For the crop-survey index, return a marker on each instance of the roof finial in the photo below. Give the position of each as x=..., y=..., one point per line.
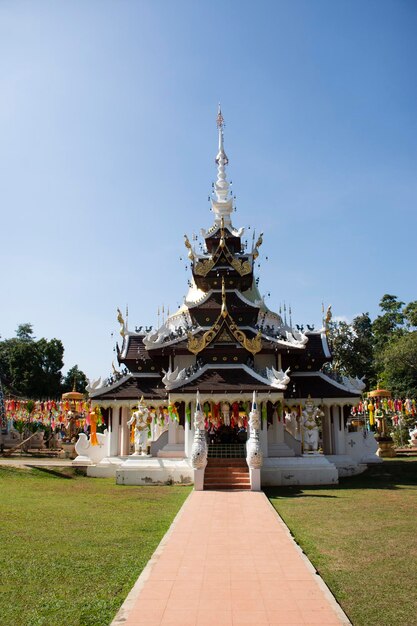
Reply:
x=223, y=204
x=220, y=118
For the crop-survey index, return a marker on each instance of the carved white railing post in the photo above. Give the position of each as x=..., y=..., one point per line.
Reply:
x=254, y=456
x=199, y=448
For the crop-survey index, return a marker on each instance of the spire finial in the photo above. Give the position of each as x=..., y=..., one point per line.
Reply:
x=220, y=118
x=222, y=204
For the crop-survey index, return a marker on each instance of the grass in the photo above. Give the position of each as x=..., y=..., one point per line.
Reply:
x=361, y=537
x=72, y=547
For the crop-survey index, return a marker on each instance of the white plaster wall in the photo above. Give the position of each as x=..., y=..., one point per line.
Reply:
x=183, y=360
x=265, y=360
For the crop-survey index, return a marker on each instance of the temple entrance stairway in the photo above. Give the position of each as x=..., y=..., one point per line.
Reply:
x=226, y=467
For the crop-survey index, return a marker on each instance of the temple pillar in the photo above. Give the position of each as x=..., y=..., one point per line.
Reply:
x=276, y=443
x=114, y=421
x=172, y=432
x=338, y=431
x=326, y=431
x=263, y=435
x=277, y=429
x=125, y=437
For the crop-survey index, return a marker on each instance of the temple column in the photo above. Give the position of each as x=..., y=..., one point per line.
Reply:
x=326, y=431
x=125, y=438
x=114, y=420
x=172, y=432
x=338, y=431
x=263, y=435
x=277, y=429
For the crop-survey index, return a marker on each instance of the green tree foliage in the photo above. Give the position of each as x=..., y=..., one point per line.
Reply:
x=399, y=359
x=25, y=332
x=382, y=350
x=352, y=348
x=388, y=325
x=75, y=377
x=410, y=314
x=31, y=368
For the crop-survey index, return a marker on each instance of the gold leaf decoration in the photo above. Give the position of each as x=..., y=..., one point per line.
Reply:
x=242, y=267
x=202, y=268
x=197, y=344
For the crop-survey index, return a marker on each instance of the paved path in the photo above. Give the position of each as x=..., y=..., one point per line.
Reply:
x=27, y=461
x=228, y=560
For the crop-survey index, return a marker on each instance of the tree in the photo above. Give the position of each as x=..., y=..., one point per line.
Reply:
x=399, y=360
x=75, y=378
x=25, y=332
x=352, y=348
x=363, y=349
x=387, y=327
x=389, y=324
x=29, y=368
x=410, y=314
x=51, y=361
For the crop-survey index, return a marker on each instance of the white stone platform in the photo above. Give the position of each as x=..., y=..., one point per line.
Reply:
x=144, y=470
x=308, y=469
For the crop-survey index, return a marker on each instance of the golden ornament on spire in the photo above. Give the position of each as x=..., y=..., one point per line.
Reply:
x=220, y=118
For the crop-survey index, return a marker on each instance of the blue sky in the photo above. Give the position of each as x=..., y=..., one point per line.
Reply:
x=108, y=138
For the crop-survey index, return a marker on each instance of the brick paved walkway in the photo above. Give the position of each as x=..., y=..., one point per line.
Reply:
x=228, y=560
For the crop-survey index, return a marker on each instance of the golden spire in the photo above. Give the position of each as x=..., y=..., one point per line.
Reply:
x=224, y=311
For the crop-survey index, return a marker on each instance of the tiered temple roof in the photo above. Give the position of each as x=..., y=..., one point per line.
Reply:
x=223, y=339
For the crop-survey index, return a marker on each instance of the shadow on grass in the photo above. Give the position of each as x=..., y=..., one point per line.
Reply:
x=392, y=474
x=52, y=472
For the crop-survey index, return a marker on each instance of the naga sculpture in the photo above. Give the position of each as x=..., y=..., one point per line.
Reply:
x=254, y=457
x=199, y=448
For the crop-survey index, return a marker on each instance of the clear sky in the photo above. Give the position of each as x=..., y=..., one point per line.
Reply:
x=108, y=139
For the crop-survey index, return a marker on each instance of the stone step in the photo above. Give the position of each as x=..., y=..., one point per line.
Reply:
x=230, y=484
x=213, y=462
x=228, y=471
x=223, y=486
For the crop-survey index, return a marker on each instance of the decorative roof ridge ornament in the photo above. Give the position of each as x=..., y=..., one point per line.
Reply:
x=189, y=247
x=122, y=323
x=255, y=251
x=202, y=267
x=197, y=344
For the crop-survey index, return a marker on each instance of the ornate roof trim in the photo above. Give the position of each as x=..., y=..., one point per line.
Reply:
x=277, y=380
x=197, y=344
x=347, y=385
x=118, y=383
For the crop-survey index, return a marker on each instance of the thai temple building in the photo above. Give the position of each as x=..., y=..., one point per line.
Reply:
x=226, y=393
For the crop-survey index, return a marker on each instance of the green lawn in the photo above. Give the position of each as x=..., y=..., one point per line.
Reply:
x=72, y=547
x=362, y=538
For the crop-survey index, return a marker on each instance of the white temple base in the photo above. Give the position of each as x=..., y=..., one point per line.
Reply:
x=255, y=479
x=308, y=469
x=280, y=449
x=154, y=471
x=362, y=447
x=172, y=450
x=199, y=479
x=346, y=466
x=81, y=461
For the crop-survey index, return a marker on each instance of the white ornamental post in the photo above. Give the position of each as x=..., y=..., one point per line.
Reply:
x=199, y=448
x=254, y=457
